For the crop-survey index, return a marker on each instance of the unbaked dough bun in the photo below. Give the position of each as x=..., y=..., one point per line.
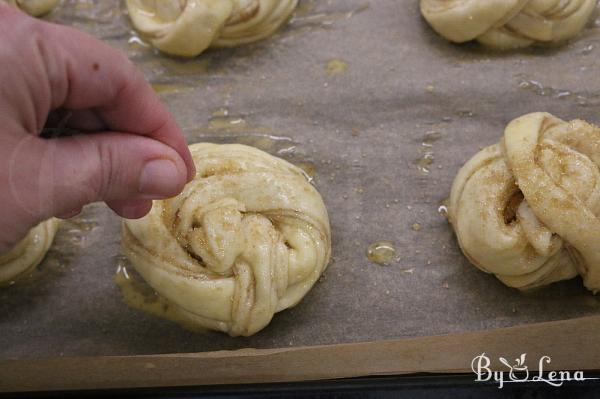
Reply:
x=527, y=209
x=29, y=252
x=508, y=24
x=188, y=27
x=247, y=238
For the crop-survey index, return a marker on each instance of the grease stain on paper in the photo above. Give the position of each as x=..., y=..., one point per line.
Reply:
x=583, y=99
x=336, y=66
x=137, y=294
x=381, y=252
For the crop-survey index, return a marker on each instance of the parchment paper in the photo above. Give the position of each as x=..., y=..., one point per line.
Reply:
x=385, y=138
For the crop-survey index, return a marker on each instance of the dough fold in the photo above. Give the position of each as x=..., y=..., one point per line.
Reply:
x=29, y=252
x=188, y=27
x=35, y=8
x=527, y=209
x=508, y=24
x=247, y=238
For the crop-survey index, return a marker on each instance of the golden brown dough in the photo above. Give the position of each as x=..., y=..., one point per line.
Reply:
x=29, y=252
x=508, y=24
x=188, y=27
x=527, y=209
x=247, y=238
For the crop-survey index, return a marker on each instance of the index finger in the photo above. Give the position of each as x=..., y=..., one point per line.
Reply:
x=84, y=73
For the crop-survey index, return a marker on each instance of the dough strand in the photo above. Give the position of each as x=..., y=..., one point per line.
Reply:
x=36, y=8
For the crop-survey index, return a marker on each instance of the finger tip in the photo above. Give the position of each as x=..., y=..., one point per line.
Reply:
x=134, y=210
x=163, y=178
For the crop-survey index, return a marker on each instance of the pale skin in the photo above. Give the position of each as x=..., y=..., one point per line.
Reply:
x=131, y=150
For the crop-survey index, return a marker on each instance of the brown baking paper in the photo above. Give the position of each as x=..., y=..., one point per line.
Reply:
x=384, y=112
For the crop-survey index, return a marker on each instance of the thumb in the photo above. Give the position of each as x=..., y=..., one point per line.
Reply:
x=57, y=177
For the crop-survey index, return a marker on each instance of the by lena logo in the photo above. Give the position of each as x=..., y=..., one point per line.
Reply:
x=519, y=372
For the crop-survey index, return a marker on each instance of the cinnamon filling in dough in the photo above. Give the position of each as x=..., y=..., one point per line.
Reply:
x=247, y=238
x=527, y=209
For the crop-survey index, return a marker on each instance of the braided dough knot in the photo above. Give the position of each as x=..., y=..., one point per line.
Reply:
x=247, y=238
x=527, y=209
x=188, y=27
x=506, y=24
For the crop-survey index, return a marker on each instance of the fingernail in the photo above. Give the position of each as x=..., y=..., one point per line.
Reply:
x=160, y=178
x=192, y=173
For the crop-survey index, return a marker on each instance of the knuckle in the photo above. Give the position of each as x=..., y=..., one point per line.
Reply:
x=103, y=175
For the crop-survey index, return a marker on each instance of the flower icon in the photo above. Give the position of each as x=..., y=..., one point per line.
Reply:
x=518, y=367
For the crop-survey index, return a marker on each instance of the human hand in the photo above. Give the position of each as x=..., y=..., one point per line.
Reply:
x=133, y=151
